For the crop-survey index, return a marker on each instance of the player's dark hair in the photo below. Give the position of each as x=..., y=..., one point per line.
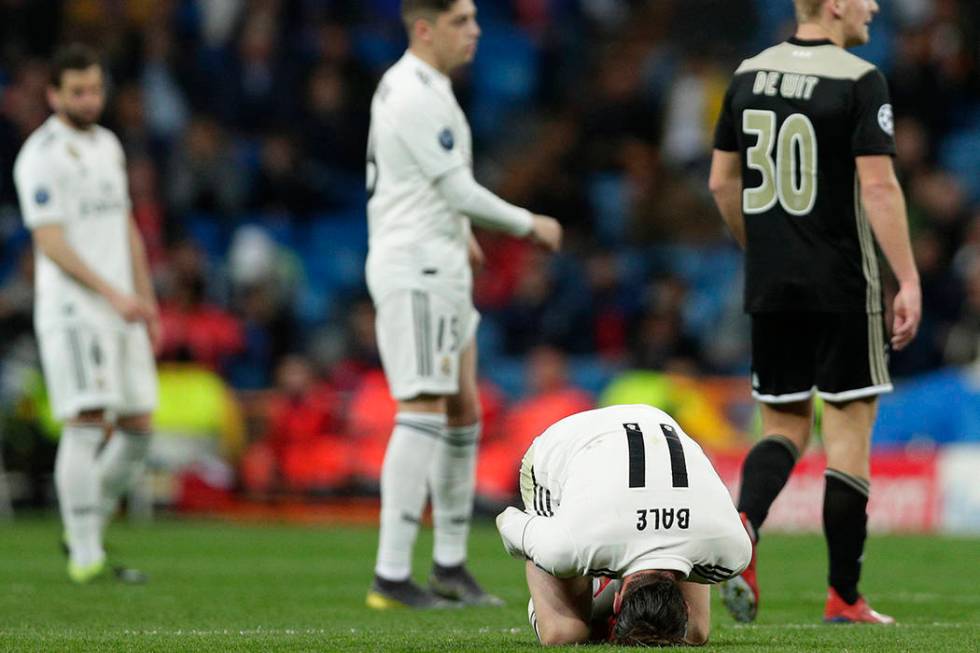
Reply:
x=652, y=613
x=411, y=9
x=74, y=56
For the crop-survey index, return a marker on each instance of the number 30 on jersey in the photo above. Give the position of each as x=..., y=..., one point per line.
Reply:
x=789, y=175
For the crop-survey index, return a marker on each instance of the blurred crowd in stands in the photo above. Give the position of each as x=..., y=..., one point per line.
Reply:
x=245, y=122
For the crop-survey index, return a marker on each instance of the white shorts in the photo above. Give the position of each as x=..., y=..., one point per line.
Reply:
x=421, y=334
x=86, y=368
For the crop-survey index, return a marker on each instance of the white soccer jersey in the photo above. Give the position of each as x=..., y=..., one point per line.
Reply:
x=77, y=179
x=418, y=134
x=622, y=489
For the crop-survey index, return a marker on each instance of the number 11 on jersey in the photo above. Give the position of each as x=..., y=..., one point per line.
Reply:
x=637, y=456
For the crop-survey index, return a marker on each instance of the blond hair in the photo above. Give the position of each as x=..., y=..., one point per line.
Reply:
x=808, y=10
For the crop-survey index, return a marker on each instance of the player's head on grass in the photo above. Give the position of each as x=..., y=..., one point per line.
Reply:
x=76, y=88
x=443, y=33
x=650, y=611
x=846, y=21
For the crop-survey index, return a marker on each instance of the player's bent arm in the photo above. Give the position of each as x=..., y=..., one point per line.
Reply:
x=50, y=240
x=142, y=281
x=884, y=203
x=698, y=598
x=725, y=184
x=882, y=197
x=543, y=540
x=466, y=196
x=562, y=607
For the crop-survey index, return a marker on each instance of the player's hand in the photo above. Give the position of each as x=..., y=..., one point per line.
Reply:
x=154, y=329
x=130, y=307
x=546, y=231
x=908, y=314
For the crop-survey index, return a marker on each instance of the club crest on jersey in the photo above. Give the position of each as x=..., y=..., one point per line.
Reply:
x=446, y=139
x=42, y=196
x=886, y=119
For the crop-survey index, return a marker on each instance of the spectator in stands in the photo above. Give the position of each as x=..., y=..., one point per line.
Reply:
x=203, y=175
x=551, y=396
x=963, y=342
x=284, y=182
x=303, y=448
x=193, y=328
x=659, y=341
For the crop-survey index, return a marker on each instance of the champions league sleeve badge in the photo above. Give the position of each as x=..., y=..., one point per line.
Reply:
x=42, y=196
x=886, y=120
x=446, y=139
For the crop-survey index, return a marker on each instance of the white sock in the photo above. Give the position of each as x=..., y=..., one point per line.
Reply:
x=120, y=463
x=77, y=483
x=403, y=489
x=452, y=480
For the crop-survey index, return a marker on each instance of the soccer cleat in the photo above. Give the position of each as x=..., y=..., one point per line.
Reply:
x=122, y=573
x=84, y=574
x=457, y=584
x=837, y=611
x=741, y=594
x=389, y=594
x=128, y=575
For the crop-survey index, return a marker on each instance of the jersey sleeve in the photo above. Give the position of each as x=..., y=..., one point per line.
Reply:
x=545, y=541
x=874, y=124
x=39, y=190
x=726, y=136
x=427, y=130
x=120, y=153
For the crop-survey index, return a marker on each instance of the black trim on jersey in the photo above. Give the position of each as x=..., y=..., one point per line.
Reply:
x=76, y=354
x=678, y=466
x=542, y=498
x=808, y=43
x=601, y=571
x=637, y=455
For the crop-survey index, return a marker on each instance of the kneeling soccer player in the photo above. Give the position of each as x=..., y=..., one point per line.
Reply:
x=625, y=523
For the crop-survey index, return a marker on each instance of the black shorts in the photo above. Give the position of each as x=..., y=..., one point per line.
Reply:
x=840, y=356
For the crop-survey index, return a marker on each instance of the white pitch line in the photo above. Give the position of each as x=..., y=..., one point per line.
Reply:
x=935, y=624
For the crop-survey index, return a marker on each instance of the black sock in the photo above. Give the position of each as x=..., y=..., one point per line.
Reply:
x=441, y=570
x=845, y=525
x=764, y=473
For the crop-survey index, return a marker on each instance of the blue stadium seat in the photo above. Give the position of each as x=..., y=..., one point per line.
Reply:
x=209, y=232
x=507, y=373
x=959, y=155
x=333, y=250
x=505, y=76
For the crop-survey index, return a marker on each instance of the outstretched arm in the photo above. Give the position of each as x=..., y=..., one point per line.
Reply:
x=468, y=197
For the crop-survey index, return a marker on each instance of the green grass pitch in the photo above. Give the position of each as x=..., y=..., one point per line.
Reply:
x=225, y=587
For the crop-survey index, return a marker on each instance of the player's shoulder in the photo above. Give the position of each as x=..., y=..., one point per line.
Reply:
x=825, y=60
x=409, y=84
x=41, y=142
x=108, y=137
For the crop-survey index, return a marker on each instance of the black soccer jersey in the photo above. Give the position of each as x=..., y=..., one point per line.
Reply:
x=799, y=113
